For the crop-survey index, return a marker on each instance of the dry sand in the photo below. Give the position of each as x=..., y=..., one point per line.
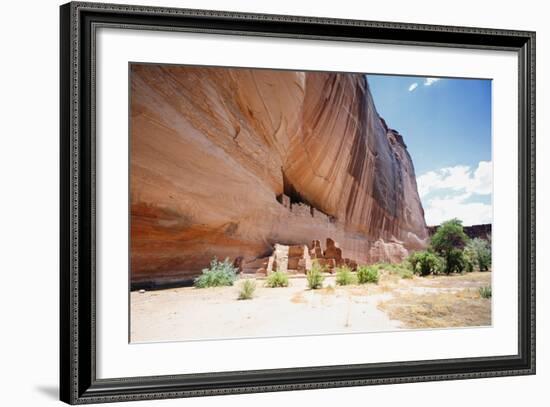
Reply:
x=190, y=313
x=215, y=313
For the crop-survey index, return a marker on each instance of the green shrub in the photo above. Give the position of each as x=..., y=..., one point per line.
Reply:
x=366, y=274
x=315, y=276
x=479, y=251
x=277, y=279
x=344, y=276
x=484, y=260
x=218, y=274
x=406, y=274
x=485, y=292
x=412, y=261
x=247, y=289
x=425, y=263
x=455, y=262
x=469, y=261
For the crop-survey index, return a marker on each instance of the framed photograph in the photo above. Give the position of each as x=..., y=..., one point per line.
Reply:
x=255, y=203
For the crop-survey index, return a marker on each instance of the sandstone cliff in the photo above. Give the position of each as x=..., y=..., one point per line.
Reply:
x=228, y=162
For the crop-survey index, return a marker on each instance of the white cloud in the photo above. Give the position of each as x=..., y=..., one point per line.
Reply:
x=430, y=81
x=460, y=178
x=439, y=210
x=483, y=177
x=427, y=82
x=447, y=192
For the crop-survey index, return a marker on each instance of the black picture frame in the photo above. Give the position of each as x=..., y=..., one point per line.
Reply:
x=78, y=382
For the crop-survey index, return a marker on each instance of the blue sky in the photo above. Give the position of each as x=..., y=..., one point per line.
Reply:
x=446, y=124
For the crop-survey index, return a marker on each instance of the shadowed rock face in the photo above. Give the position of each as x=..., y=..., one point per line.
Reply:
x=228, y=162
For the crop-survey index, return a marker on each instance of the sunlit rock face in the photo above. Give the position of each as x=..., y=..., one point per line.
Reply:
x=229, y=162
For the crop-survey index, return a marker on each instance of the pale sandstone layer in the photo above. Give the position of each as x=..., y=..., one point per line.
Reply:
x=216, y=154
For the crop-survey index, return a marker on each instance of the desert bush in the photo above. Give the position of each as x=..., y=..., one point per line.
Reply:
x=455, y=262
x=247, y=289
x=479, y=251
x=315, y=276
x=218, y=274
x=469, y=261
x=277, y=279
x=425, y=263
x=485, y=292
x=366, y=274
x=344, y=276
x=448, y=241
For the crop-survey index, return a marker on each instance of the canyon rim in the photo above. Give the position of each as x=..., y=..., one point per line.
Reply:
x=231, y=162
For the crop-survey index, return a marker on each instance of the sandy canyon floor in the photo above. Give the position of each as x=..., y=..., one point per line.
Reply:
x=392, y=304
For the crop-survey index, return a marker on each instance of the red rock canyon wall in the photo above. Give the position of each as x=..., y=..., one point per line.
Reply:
x=216, y=154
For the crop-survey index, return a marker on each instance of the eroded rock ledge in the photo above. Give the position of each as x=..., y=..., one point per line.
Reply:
x=230, y=162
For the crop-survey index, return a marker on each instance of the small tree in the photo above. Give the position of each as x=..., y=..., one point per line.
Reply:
x=448, y=241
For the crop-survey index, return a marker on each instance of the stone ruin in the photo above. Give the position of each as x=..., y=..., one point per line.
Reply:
x=298, y=259
x=304, y=210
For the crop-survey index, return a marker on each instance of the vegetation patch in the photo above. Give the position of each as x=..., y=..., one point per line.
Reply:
x=407, y=274
x=367, y=274
x=277, y=279
x=248, y=287
x=217, y=275
x=344, y=276
x=479, y=252
x=425, y=263
x=451, y=251
x=485, y=292
x=449, y=241
x=401, y=270
x=315, y=276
